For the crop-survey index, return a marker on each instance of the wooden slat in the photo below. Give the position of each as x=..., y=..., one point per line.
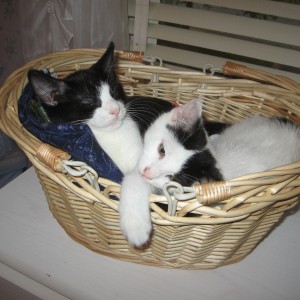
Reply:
x=141, y=20
x=273, y=8
x=131, y=8
x=198, y=60
x=225, y=44
x=243, y=41
x=259, y=29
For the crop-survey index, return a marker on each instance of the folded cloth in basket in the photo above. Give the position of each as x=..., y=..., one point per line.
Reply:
x=76, y=139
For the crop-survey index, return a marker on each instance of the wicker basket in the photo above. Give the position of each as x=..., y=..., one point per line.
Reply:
x=211, y=237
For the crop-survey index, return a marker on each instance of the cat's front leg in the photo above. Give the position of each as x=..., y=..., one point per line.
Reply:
x=134, y=210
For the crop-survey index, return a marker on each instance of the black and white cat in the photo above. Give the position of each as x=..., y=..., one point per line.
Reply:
x=96, y=97
x=177, y=147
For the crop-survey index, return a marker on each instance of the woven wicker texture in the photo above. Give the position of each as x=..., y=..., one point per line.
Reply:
x=219, y=223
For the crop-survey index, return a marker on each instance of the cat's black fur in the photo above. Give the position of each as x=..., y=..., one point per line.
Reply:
x=74, y=99
x=213, y=127
x=145, y=110
x=201, y=166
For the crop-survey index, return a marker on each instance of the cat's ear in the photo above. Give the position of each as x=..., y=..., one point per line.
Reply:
x=187, y=115
x=107, y=60
x=46, y=88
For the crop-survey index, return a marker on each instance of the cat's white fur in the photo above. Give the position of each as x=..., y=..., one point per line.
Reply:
x=120, y=138
x=253, y=145
x=151, y=166
x=115, y=131
x=153, y=172
x=134, y=212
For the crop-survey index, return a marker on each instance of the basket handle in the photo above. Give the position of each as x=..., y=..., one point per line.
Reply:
x=52, y=157
x=212, y=192
x=231, y=68
x=136, y=56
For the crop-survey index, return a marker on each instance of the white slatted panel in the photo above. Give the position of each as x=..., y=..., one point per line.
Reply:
x=192, y=37
x=141, y=13
x=280, y=9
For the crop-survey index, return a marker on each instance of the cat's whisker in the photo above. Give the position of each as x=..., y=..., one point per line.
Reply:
x=146, y=109
x=140, y=116
x=78, y=122
x=112, y=68
x=149, y=105
x=193, y=132
x=184, y=177
x=86, y=86
x=190, y=177
x=143, y=121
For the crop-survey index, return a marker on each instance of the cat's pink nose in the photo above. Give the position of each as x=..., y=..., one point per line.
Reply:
x=115, y=111
x=147, y=173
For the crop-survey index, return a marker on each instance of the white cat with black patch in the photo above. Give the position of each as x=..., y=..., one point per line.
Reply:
x=177, y=147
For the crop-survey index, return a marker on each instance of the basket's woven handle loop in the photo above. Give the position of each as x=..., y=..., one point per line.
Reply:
x=231, y=68
x=172, y=201
x=52, y=157
x=81, y=169
x=153, y=59
x=132, y=55
x=138, y=56
x=212, y=192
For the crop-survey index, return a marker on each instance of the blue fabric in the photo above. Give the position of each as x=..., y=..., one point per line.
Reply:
x=78, y=140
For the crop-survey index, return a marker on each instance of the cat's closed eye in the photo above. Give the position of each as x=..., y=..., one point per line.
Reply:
x=87, y=101
x=161, y=150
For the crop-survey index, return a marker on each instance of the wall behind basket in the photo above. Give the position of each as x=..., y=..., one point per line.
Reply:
x=32, y=28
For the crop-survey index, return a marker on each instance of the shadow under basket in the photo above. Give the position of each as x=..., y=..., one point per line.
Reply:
x=220, y=223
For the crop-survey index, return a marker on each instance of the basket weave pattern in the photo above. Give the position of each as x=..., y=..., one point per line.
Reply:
x=213, y=235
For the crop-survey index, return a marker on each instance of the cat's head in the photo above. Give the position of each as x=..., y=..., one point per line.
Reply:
x=171, y=142
x=93, y=96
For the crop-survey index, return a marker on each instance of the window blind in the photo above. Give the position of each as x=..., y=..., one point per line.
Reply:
x=191, y=34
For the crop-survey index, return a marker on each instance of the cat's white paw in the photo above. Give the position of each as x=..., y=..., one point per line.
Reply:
x=136, y=227
x=134, y=210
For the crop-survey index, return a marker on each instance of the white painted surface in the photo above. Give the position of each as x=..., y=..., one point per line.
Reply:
x=33, y=245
